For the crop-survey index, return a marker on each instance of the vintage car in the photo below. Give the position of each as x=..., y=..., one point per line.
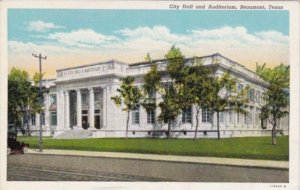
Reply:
x=14, y=146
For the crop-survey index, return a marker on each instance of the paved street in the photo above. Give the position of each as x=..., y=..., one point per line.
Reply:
x=34, y=167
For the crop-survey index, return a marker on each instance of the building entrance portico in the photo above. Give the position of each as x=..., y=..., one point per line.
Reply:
x=84, y=108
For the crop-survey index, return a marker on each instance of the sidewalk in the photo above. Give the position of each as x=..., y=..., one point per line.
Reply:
x=171, y=158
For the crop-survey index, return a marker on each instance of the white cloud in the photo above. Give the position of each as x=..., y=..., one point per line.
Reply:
x=133, y=44
x=19, y=47
x=155, y=33
x=81, y=38
x=41, y=26
x=224, y=39
x=273, y=36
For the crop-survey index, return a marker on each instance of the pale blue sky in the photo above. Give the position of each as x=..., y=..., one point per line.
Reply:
x=110, y=21
x=74, y=37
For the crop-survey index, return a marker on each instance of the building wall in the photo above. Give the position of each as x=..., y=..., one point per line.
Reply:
x=104, y=77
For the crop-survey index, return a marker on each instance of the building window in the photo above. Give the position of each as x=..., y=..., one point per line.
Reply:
x=230, y=117
x=53, y=118
x=43, y=118
x=53, y=99
x=206, y=116
x=251, y=94
x=221, y=117
x=238, y=117
x=258, y=96
x=84, y=97
x=257, y=116
x=151, y=116
x=245, y=118
x=187, y=115
x=251, y=115
x=262, y=97
x=240, y=87
x=248, y=117
x=136, y=116
x=97, y=97
x=33, y=119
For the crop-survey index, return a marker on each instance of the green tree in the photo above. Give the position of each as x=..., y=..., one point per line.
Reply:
x=169, y=106
x=170, y=88
x=197, y=88
x=276, y=98
x=22, y=99
x=129, y=97
x=224, y=97
x=151, y=86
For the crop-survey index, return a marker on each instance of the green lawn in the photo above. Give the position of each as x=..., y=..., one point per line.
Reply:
x=242, y=147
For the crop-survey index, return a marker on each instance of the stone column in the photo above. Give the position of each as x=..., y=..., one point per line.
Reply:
x=67, y=109
x=104, y=106
x=79, y=110
x=60, y=109
x=46, y=110
x=91, y=108
x=143, y=117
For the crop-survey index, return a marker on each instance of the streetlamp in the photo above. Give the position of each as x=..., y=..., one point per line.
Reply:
x=40, y=57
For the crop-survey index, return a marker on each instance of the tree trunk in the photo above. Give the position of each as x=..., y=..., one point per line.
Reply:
x=274, y=133
x=127, y=124
x=27, y=124
x=218, y=125
x=169, y=129
x=197, y=123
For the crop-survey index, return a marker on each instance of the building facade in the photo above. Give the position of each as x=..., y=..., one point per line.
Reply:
x=79, y=102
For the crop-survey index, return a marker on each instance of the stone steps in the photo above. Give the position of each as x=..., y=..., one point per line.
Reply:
x=73, y=134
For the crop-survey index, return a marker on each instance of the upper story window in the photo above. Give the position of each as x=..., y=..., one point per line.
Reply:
x=240, y=87
x=97, y=97
x=258, y=96
x=53, y=99
x=84, y=98
x=187, y=115
x=251, y=94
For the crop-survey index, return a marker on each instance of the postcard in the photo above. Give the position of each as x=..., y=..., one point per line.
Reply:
x=149, y=94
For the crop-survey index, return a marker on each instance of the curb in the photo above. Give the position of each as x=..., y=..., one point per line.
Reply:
x=269, y=164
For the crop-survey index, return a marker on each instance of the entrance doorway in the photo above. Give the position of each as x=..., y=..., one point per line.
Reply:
x=97, y=122
x=85, y=122
x=97, y=119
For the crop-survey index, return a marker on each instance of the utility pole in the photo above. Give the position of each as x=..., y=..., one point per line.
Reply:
x=41, y=97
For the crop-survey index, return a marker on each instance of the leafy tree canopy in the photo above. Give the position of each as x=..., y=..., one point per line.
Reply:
x=23, y=99
x=276, y=98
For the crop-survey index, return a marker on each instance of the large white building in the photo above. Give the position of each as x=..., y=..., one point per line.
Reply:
x=80, y=97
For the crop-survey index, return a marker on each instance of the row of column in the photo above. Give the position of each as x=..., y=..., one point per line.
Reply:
x=63, y=108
